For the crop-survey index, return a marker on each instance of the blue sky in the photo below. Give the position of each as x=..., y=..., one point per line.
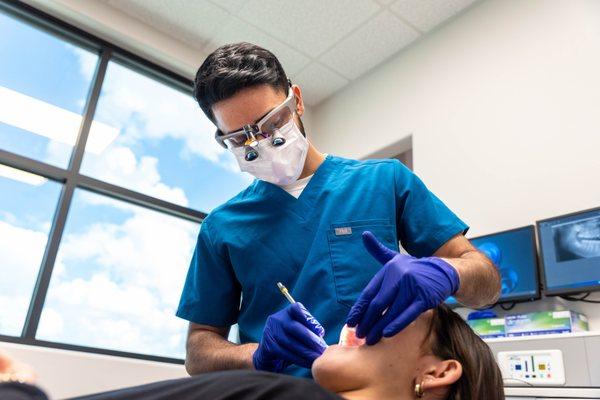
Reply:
x=120, y=267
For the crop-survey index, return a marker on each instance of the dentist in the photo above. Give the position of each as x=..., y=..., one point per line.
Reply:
x=325, y=226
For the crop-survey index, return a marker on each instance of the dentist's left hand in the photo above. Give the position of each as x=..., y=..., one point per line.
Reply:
x=291, y=335
x=400, y=291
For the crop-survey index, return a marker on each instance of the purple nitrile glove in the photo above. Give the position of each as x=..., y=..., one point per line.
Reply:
x=291, y=335
x=401, y=290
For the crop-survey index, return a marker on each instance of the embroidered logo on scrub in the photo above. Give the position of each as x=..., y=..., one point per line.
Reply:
x=343, y=231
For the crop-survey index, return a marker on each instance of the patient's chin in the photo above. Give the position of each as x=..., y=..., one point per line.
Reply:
x=338, y=368
x=324, y=368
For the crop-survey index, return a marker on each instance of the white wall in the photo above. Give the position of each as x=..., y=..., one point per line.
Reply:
x=503, y=104
x=63, y=373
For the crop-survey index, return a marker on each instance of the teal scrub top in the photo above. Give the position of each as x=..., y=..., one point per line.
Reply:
x=311, y=244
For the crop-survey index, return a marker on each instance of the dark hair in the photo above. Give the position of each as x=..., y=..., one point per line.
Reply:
x=452, y=338
x=233, y=67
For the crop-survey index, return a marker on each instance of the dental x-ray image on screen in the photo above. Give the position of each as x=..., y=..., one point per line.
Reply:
x=570, y=252
x=578, y=239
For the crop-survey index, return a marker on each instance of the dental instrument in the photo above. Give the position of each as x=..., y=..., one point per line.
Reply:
x=285, y=292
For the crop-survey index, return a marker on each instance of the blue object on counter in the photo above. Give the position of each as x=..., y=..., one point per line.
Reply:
x=481, y=314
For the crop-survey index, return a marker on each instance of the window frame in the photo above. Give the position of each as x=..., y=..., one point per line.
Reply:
x=70, y=177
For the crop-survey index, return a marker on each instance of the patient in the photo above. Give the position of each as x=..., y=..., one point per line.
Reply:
x=438, y=356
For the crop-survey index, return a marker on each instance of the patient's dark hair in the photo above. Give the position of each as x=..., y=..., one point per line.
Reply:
x=234, y=67
x=450, y=337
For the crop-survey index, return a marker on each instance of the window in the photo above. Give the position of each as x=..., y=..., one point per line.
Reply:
x=160, y=143
x=43, y=89
x=117, y=278
x=107, y=168
x=25, y=220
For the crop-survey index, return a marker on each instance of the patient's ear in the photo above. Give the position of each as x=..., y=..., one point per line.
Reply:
x=439, y=376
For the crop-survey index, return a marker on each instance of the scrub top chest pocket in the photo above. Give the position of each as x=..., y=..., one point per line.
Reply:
x=352, y=265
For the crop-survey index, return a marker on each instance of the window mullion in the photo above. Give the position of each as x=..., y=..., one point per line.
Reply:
x=88, y=114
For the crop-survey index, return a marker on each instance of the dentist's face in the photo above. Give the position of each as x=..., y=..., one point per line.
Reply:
x=251, y=104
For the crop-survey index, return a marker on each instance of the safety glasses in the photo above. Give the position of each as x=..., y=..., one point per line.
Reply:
x=266, y=128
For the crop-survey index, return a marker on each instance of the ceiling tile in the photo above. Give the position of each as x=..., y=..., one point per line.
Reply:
x=321, y=44
x=427, y=14
x=317, y=83
x=371, y=44
x=311, y=26
x=236, y=30
x=191, y=21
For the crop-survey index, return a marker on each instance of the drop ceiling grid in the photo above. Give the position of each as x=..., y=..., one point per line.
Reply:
x=370, y=45
x=312, y=26
x=323, y=45
x=259, y=13
x=237, y=30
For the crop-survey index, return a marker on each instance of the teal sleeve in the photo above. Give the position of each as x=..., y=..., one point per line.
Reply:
x=424, y=222
x=211, y=294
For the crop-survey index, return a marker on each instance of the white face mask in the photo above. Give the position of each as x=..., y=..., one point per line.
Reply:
x=280, y=165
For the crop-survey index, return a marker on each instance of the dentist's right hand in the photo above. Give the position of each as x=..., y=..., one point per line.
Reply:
x=291, y=335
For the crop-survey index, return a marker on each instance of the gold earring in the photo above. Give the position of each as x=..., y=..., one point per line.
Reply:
x=419, y=390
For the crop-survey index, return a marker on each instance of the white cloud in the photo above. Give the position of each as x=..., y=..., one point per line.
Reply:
x=8, y=217
x=58, y=153
x=148, y=110
x=117, y=285
x=87, y=62
x=54, y=324
x=21, y=252
x=138, y=269
x=120, y=166
x=14, y=309
x=148, y=248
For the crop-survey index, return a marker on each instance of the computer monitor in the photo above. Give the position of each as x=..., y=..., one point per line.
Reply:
x=514, y=253
x=570, y=252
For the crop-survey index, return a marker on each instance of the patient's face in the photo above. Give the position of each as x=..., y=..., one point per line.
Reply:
x=394, y=359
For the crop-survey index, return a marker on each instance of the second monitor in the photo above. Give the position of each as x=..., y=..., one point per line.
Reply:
x=570, y=252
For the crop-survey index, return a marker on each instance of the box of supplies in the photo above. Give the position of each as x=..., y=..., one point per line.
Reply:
x=488, y=327
x=545, y=322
